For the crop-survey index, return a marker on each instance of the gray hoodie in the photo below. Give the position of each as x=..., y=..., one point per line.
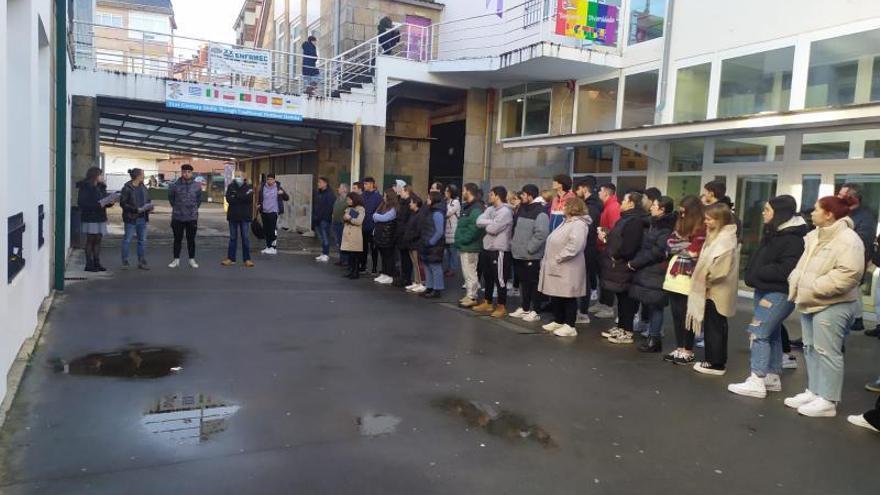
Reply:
x=530, y=230
x=498, y=224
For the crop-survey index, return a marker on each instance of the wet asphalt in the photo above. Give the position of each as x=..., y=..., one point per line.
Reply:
x=286, y=378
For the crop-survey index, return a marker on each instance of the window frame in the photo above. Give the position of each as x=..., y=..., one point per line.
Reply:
x=110, y=15
x=525, y=97
x=629, y=11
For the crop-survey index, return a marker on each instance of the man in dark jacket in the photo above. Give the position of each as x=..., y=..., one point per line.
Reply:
x=136, y=207
x=310, y=60
x=865, y=225
x=531, y=226
x=270, y=204
x=322, y=216
x=372, y=200
x=621, y=246
x=240, y=212
x=389, y=36
x=185, y=196
x=586, y=190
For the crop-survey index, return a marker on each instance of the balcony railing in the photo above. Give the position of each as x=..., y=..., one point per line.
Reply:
x=132, y=51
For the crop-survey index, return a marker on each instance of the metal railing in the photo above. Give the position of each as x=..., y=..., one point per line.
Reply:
x=163, y=55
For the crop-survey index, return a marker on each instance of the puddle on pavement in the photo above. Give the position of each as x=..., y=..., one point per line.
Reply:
x=133, y=362
x=372, y=425
x=187, y=419
x=495, y=421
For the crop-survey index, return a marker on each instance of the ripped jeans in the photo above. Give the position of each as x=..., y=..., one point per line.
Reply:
x=824, y=335
x=771, y=309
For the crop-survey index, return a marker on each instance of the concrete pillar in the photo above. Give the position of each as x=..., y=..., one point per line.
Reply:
x=372, y=152
x=864, y=79
x=84, y=139
x=475, y=136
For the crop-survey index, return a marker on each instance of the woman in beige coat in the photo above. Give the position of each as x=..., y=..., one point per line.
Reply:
x=712, y=299
x=825, y=287
x=352, y=235
x=563, y=270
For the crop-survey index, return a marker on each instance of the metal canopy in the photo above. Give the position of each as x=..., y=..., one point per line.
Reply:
x=153, y=127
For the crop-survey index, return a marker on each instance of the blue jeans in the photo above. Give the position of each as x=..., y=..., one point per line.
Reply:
x=771, y=309
x=337, y=233
x=434, y=276
x=139, y=228
x=824, y=335
x=655, y=323
x=324, y=235
x=450, y=258
x=237, y=229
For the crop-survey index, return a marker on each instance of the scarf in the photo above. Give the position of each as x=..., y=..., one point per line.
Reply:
x=724, y=243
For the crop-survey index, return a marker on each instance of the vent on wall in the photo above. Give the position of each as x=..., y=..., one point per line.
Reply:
x=15, y=242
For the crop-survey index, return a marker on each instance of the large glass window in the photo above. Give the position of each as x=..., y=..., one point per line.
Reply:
x=756, y=83
x=844, y=70
x=810, y=184
x=646, y=20
x=752, y=192
x=594, y=159
x=640, y=99
x=749, y=150
x=686, y=155
x=152, y=23
x=627, y=183
x=108, y=19
x=632, y=161
x=525, y=110
x=597, y=106
x=679, y=186
x=692, y=93
x=841, y=145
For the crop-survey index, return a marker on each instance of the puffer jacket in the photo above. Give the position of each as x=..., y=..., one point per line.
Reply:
x=185, y=198
x=453, y=211
x=530, y=229
x=469, y=237
x=651, y=261
x=830, y=270
x=385, y=228
x=622, y=244
x=403, y=215
x=431, y=234
x=498, y=224
x=88, y=200
x=412, y=232
x=769, y=267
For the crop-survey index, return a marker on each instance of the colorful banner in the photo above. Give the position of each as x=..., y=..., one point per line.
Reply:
x=589, y=20
x=225, y=60
x=232, y=101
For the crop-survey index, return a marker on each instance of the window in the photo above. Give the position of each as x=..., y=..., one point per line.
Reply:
x=525, y=110
x=756, y=83
x=41, y=221
x=844, y=70
x=752, y=192
x=597, y=106
x=112, y=59
x=810, y=184
x=108, y=19
x=646, y=20
x=594, y=159
x=632, y=161
x=15, y=243
x=679, y=186
x=627, y=183
x=147, y=26
x=639, y=99
x=841, y=145
x=692, y=93
x=749, y=150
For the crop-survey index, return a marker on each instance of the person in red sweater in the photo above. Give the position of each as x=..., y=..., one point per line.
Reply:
x=611, y=210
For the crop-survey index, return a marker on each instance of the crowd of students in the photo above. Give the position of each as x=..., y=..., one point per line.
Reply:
x=577, y=250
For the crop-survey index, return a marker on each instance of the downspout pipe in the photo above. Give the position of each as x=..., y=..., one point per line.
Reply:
x=665, y=64
x=60, y=248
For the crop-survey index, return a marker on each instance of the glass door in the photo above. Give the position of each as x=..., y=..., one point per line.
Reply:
x=752, y=192
x=870, y=191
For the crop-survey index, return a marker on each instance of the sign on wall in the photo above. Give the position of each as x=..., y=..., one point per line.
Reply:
x=226, y=60
x=588, y=20
x=232, y=101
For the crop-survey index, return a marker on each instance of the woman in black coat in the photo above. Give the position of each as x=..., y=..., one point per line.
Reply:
x=403, y=215
x=410, y=241
x=649, y=267
x=93, y=215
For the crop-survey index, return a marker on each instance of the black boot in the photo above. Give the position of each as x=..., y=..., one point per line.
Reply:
x=98, y=266
x=653, y=344
x=90, y=263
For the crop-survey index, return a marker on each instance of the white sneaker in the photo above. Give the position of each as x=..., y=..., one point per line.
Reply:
x=419, y=289
x=193, y=264
x=789, y=362
x=323, y=258
x=859, y=420
x=818, y=408
x=604, y=312
x=623, y=337
x=707, y=369
x=773, y=383
x=582, y=319
x=519, y=313
x=410, y=287
x=752, y=387
x=613, y=332
x=385, y=280
x=531, y=317
x=378, y=277
x=565, y=331
x=265, y=251
x=174, y=264
x=800, y=399
x=551, y=326
x=595, y=307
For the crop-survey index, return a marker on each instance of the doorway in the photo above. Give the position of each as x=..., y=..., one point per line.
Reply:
x=446, y=163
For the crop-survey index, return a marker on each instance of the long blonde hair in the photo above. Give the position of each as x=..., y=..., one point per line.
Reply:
x=722, y=215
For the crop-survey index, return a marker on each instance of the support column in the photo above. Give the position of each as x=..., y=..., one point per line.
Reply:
x=475, y=136
x=373, y=153
x=84, y=141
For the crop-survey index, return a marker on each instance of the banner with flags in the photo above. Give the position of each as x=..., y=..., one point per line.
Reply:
x=232, y=101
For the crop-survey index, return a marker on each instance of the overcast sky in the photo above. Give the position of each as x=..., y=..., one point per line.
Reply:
x=210, y=20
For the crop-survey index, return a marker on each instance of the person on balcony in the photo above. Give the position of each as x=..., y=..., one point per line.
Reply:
x=310, y=69
x=389, y=36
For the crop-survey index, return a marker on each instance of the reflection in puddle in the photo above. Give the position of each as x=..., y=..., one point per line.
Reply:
x=135, y=362
x=495, y=421
x=372, y=425
x=187, y=419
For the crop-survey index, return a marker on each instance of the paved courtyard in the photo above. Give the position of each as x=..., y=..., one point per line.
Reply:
x=286, y=378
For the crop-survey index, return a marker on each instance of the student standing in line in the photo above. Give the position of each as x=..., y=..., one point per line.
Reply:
x=865, y=225
x=453, y=212
x=136, y=207
x=563, y=274
x=712, y=299
x=404, y=193
x=607, y=220
x=531, y=225
x=432, y=235
x=384, y=235
x=411, y=241
x=585, y=189
x=239, y=214
x=767, y=272
x=372, y=199
x=562, y=193
x=825, y=287
x=339, y=207
x=185, y=196
x=352, y=237
x=270, y=204
x=93, y=215
x=497, y=222
x=322, y=217
x=469, y=243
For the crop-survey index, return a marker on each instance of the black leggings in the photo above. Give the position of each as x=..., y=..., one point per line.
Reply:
x=93, y=249
x=389, y=264
x=270, y=226
x=406, y=266
x=678, y=306
x=190, y=228
x=627, y=308
x=564, y=310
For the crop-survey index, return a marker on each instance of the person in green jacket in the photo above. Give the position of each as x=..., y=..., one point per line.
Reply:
x=469, y=242
x=338, y=212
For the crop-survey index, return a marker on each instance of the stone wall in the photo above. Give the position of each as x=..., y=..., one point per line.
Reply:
x=83, y=139
x=407, y=148
x=359, y=18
